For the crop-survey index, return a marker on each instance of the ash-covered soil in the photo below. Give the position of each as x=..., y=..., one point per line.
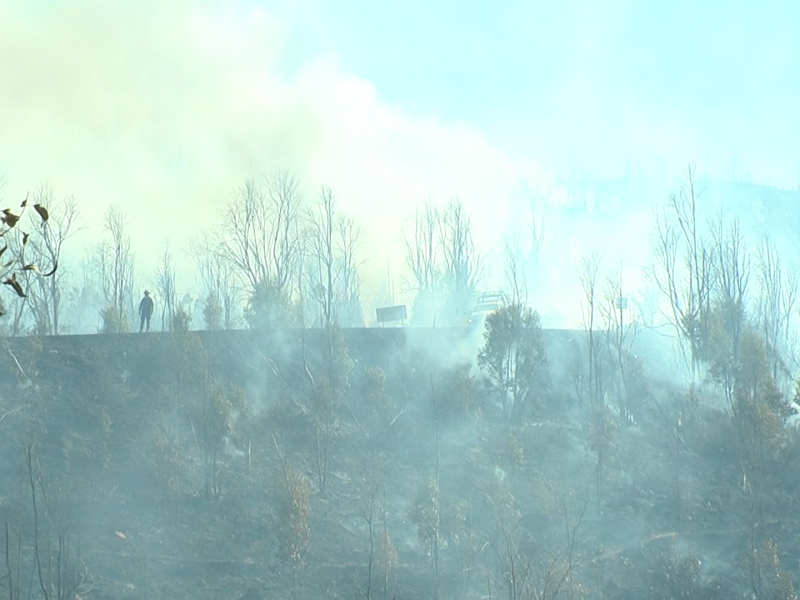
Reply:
x=379, y=464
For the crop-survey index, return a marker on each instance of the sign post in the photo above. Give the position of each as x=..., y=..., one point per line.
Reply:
x=389, y=314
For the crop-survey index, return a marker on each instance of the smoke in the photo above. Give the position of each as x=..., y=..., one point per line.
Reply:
x=165, y=109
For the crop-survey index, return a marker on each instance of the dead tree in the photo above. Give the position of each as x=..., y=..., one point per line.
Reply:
x=462, y=261
x=44, y=248
x=217, y=280
x=422, y=257
x=121, y=262
x=349, y=240
x=731, y=277
x=536, y=222
x=682, y=266
x=114, y=267
x=443, y=258
x=421, y=248
x=588, y=272
x=619, y=331
x=777, y=297
x=165, y=277
x=326, y=263
x=537, y=230
x=260, y=235
x=321, y=248
x=515, y=280
x=16, y=264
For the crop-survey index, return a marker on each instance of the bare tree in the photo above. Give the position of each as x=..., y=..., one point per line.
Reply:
x=778, y=286
x=588, y=272
x=16, y=265
x=682, y=266
x=522, y=249
x=537, y=226
x=331, y=263
x=97, y=273
x=330, y=243
x=23, y=300
x=731, y=277
x=421, y=245
x=513, y=271
x=165, y=278
x=421, y=248
x=613, y=306
x=44, y=248
x=116, y=263
x=619, y=331
x=444, y=260
x=463, y=262
x=260, y=235
x=321, y=245
x=349, y=241
x=217, y=279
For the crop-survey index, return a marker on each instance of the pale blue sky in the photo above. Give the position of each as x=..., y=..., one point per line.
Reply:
x=569, y=74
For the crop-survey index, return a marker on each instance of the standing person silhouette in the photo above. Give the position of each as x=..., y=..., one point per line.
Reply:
x=145, y=311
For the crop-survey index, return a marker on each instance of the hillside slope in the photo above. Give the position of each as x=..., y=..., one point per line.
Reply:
x=376, y=463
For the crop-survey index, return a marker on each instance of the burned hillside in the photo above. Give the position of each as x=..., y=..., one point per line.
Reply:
x=378, y=463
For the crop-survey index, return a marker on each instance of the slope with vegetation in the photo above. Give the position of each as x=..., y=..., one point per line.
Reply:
x=385, y=463
x=297, y=462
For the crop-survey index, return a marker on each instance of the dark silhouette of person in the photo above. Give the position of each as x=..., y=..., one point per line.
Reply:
x=145, y=311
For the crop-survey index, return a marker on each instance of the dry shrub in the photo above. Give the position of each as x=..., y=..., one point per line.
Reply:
x=292, y=516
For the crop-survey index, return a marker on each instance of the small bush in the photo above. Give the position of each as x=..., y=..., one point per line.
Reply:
x=212, y=312
x=181, y=320
x=113, y=320
x=292, y=515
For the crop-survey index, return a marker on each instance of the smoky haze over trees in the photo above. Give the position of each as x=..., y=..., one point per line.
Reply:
x=445, y=262
x=284, y=256
x=507, y=460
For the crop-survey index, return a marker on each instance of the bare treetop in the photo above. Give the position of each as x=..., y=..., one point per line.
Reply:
x=11, y=233
x=260, y=234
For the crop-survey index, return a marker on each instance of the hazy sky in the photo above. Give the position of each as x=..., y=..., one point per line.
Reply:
x=164, y=107
x=594, y=82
